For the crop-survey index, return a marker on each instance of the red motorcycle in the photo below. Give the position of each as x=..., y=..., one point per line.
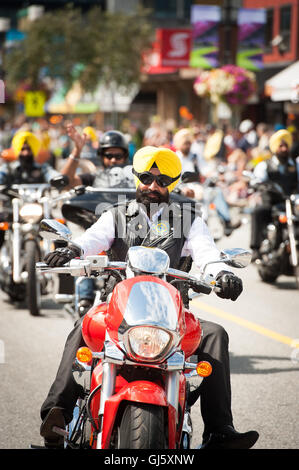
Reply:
x=134, y=368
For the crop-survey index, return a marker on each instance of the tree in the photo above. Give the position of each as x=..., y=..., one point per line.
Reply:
x=91, y=48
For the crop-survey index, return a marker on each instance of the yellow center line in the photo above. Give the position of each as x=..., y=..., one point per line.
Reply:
x=247, y=324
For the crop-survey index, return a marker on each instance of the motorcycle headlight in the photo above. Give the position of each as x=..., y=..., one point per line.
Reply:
x=31, y=213
x=148, y=343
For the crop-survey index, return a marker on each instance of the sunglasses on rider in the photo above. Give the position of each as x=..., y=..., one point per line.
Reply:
x=147, y=178
x=117, y=156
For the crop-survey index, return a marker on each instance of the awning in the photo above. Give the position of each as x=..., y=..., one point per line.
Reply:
x=284, y=86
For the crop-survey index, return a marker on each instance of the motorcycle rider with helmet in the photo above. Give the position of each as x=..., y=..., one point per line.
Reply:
x=156, y=173
x=113, y=152
x=281, y=169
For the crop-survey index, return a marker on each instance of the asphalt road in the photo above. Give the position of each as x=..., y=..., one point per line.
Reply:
x=262, y=325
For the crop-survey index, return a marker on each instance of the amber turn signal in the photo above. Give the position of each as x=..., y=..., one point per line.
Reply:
x=282, y=219
x=204, y=369
x=84, y=354
x=62, y=221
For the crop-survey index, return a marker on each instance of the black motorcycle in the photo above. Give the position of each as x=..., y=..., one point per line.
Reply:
x=279, y=250
x=23, y=207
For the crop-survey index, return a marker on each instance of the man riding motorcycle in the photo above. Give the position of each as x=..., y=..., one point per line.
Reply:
x=157, y=172
x=113, y=152
x=281, y=169
x=24, y=170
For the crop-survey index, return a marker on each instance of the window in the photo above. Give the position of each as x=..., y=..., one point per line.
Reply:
x=169, y=8
x=285, y=28
x=269, y=31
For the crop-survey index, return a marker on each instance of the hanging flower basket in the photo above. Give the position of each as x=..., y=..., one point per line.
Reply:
x=230, y=83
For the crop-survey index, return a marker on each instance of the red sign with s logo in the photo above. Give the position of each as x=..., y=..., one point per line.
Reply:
x=175, y=47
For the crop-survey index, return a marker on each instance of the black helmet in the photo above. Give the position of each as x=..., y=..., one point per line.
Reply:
x=113, y=139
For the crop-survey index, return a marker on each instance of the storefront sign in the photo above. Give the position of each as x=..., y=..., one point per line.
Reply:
x=175, y=47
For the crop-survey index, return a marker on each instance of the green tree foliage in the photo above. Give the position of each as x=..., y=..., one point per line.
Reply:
x=91, y=48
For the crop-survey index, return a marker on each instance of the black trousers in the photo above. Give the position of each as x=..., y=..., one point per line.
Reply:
x=260, y=218
x=215, y=389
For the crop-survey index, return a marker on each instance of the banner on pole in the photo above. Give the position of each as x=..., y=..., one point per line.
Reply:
x=251, y=38
x=205, y=36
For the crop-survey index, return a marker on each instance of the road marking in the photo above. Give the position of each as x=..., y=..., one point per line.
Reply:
x=247, y=324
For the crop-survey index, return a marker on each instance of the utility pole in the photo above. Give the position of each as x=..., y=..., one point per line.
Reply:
x=229, y=14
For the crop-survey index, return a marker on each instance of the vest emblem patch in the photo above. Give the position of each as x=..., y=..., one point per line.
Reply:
x=161, y=229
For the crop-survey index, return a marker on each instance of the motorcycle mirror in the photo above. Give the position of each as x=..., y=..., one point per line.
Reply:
x=236, y=257
x=79, y=190
x=54, y=230
x=60, y=181
x=189, y=177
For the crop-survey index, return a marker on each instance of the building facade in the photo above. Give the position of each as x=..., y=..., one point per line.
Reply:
x=281, y=50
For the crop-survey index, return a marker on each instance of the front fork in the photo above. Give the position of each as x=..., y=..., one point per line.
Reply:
x=291, y=232
x=16, y=242
x=175, y=365
x=108, y=386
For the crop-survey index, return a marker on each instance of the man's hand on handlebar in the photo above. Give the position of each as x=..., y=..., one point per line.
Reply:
x=230, y=285
x=60, y=256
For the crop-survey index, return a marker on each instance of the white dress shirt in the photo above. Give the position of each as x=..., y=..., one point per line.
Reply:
x=199, y=242
x=261, y=169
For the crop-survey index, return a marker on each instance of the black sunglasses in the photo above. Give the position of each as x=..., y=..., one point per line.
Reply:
x=117, y=156
x=147, y=178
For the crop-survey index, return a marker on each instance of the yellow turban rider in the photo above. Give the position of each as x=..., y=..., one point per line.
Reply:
x=165, y=159
x=20, y=138
x=283, y=135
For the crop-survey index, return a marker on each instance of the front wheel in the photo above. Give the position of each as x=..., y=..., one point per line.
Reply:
x=33, y=284
x=267, y=275
x=142, y=427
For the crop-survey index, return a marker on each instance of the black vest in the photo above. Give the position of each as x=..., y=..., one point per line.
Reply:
x=169, y=232
x=287, y=179
x=20, y=175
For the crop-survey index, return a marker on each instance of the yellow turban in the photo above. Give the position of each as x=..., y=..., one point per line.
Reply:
x=279, y=136
x=213, y=145
x=91, y=133
x=181, y=136
x=166, y=160
x=19, y=140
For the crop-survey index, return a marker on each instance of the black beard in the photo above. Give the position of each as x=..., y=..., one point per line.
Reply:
x=142, y=196
x=26, y=162
x=282, y=156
